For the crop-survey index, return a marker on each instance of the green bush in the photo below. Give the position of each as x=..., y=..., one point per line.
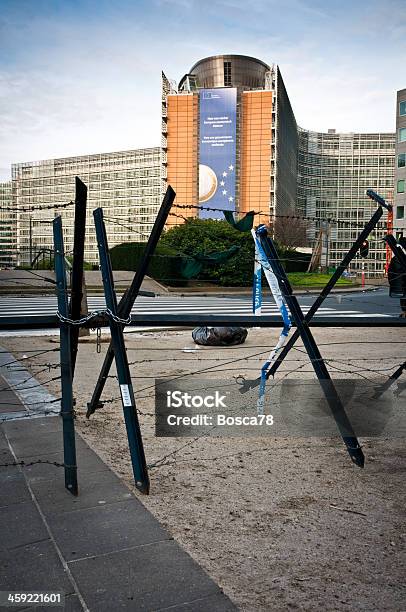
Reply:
x=202, y=237
x=209, y=235
x=205, y=236
x=164, y=266
x=293, y=261
x=48, y=264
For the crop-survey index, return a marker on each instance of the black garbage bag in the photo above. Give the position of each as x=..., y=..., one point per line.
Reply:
x=219, y=336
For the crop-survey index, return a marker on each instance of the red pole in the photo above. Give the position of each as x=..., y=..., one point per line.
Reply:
x=389, y=229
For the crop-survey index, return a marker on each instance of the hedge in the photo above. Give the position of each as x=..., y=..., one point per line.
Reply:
x=198, y=236
x=164, y=266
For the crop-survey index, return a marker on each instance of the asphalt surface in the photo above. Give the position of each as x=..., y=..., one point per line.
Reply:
x=354, y=304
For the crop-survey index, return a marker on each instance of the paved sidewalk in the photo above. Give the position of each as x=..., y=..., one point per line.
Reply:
x=20, y=394
x=14, y=282
x=103, y=549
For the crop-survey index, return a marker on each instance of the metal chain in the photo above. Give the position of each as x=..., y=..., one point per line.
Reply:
x=97, y=313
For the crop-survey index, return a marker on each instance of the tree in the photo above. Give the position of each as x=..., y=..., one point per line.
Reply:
x=205, y=236
x=291, y=233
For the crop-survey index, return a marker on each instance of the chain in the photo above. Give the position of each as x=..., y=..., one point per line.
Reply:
x=98, y=340
x=39, y=461
x=97, y=313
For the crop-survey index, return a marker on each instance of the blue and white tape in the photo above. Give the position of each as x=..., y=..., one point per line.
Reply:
x=261, y=260
x=257, y=287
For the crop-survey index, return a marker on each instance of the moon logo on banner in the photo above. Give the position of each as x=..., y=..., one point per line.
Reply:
x=207, y=183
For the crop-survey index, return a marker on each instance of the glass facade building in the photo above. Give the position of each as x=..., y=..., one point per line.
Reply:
x=266, y=143
x=8, y=226
x=334, y=171
x=278, y=169
x=281, y=169
x=399, y=216
x=126, y=184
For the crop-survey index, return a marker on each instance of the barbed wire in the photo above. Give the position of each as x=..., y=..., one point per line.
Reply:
x=276, y=216
x=172, y=457
x=33, y=208
x=244, y=347
x=37, y=354
x=44, y=278
x=17, y=388
x=41, y=403
x=163, y=460
x=36, y=462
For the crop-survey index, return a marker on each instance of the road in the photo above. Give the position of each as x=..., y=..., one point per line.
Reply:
x=355, y=305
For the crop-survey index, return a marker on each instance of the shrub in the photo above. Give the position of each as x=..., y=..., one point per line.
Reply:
x=164, y=266
x=209, y=235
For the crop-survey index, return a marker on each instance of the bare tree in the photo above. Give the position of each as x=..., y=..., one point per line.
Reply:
x=291, y=232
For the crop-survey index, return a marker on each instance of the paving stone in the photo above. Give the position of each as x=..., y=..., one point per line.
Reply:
x=214, y=603
x=144, y=578
x=39, y=442
x=95, y=490
x=88, y=462
x=21, y=525
x=13, y=488
x=36, y=444
x=35, y=567
x=6, y=455
x=118, y=552
x=3, y=440
x=72, y=604
x=111, y=527
x=20, y=428
x=9, y=401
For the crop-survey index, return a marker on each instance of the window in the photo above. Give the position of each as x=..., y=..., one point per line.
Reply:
x=227, y=74
x=401, y=160
x=402, y=135
x=400, y=212
x=401, y=186
x=402, y=108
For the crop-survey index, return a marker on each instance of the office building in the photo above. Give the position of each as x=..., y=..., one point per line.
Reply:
x=126, y=184
x=334, y=171
x=8, y=224
x=229, y=141
x=399, y=217
x=229, y=138
x=232, y=111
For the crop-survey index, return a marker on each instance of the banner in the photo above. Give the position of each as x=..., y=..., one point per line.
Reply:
x=217, y=121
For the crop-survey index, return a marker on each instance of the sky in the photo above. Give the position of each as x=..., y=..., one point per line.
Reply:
x=83, y=76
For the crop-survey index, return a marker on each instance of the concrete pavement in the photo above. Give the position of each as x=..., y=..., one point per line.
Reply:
x=103, y=549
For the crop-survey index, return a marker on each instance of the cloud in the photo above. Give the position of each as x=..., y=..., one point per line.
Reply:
x=74, y=80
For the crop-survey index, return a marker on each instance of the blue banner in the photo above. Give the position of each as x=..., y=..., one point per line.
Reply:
x=217, y=122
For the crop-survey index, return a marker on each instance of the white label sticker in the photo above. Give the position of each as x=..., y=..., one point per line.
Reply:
x=125, y=394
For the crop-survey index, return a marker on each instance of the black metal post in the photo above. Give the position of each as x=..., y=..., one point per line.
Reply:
x=303, y=329
x=77, y=266
x=31, y=251
x=386, y=385
x=123, y=371
x=128, y=299
x=322, y=296
x=69, y=447
x=212, y=320
x=397, y=250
